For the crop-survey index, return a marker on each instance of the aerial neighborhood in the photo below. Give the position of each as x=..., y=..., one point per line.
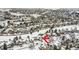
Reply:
x=39, y=29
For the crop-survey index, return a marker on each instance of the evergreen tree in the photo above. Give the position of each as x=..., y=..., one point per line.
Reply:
x=67, y=47
x=55, y=47
x=5, y=46
x=1, y=27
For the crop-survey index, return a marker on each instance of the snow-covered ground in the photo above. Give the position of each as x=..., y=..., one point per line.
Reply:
x=69, y=27
x=35, y=34
x=24, y=37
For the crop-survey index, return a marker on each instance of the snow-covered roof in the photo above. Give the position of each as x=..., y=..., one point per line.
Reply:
x=35, y=15
x=17, y=14
x=8, y=29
